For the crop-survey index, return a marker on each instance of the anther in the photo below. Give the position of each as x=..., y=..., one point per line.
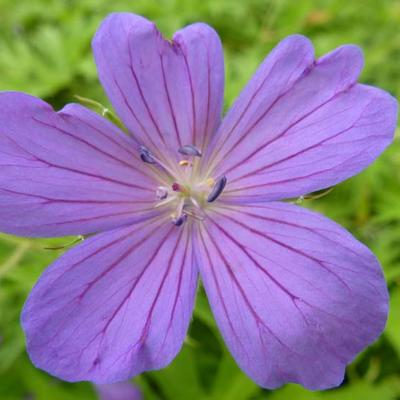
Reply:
x=161, y=193
x=217, y=189
x=190, y=150
x=146, y=156
x=180, y=220
x=185, y=163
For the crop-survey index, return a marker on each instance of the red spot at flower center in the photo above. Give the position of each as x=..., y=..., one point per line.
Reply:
x=176, y=187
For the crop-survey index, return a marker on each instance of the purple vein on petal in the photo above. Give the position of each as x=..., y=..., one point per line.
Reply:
x=281, y=221
x=138, y=85
x=111, y=138
x=137, y=280
x=293, y=179
x=48, y=200
x=115, y=264
x=249, y=306
x=101, y=177
x=281, y=134
x=293, y=298
x=146, y=326
x=171, y=108
x=271, y=106
x=125, y=100
x=129, y=150
x=288, y=247
x=81, y=140
x=219, y=292
x=191, y=93
x=132, y=112
x=178, y=291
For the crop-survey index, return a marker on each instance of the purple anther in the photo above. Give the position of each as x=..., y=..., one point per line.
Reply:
x=146, y=156
x=161, y=193
x=180, y=220
x=190, y=150
x=217, y=189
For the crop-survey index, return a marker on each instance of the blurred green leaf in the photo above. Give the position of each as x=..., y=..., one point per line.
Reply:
x=230, y=382
x=180, y=379
x=393, y=325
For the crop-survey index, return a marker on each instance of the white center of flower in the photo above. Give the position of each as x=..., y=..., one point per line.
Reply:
x=187, y=199
x=187, y=193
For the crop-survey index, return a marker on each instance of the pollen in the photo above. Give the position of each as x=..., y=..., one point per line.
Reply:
x=210, y=182
x=185, y=163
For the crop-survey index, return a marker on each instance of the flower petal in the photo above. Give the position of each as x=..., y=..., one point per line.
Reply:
x=119, y=391
x=295, y=295
x=301, y=126
x=114, y=306
x=168, y=94
x=66, y=173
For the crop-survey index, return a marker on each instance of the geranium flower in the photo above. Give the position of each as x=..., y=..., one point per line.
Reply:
x=295, y=296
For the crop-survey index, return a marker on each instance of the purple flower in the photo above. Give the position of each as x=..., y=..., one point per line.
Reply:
x=295, y=296
x=118, y=391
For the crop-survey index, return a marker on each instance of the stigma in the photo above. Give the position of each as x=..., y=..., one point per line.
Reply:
x=183, y=190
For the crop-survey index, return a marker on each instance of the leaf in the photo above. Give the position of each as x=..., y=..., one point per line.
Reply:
x=392, y=330
x=180, y=379
x=231, y=382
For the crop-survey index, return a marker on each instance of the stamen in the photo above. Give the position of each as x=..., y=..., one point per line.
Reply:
x=185, y=163
x=179, y=216
x=161, y=193
x=195, y=203
x=187, y=190
x=195, y=209
x=217, y=189
x=195, y=213
x=180, y=220
x=168, y=200
x=146, y=156
x=190, y=150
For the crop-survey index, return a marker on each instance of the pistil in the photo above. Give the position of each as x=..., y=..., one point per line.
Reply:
x=188, y=195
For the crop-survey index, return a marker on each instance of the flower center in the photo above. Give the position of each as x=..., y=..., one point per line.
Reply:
x=185, y=192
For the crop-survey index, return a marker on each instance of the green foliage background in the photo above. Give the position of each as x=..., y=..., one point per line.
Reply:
x=45, y=51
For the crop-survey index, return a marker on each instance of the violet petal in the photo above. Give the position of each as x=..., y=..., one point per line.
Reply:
x=167, y=94
x=66, y=173
x=295, y=295
x=114, y=306
x=301, y=126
